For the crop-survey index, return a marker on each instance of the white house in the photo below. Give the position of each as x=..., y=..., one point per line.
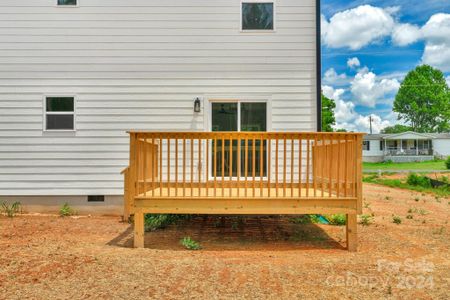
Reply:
x=76, y=75
x=406, y=146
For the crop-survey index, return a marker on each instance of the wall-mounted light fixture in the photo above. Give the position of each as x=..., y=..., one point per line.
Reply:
x=197, y=105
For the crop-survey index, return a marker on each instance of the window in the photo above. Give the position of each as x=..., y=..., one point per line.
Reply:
x=257, y=15
x=59, y=113
x=366, y=145
x=67, y=2
x=381, y=145
x=239, y=116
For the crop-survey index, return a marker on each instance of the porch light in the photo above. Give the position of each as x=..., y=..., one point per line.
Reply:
x=197, y=105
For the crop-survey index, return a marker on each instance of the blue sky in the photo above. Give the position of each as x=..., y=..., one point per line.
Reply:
x=369, y=46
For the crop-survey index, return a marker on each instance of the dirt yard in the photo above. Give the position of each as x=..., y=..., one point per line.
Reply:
x=48, y=257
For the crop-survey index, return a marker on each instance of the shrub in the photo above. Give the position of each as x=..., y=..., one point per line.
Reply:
x=11, y=210
x=397, y=220
x=338, y=219
x=418, y=180
x=305, y=219
x=66, y=210
x=161, y=221
x=190, y=244
x=366, y=220
x=447, y=163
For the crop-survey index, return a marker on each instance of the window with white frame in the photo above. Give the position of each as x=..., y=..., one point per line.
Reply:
x=59, y=113
x=67, y=2
x=257, y=15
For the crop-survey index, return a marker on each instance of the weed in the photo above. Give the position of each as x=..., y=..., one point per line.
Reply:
x=396, y=219
x=11, y=210
x=190, y=244
x=387, y=198
x=417, y=199
x=366, y=220
x=160, y=221
x=410, y=217
x=422, y=211
x=439, y=231
x=367, y=205
x=304, y=219
x=418, y=180
x=337, y=219
x=66, y=210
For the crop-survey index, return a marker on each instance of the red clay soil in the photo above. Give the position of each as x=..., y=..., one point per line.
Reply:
x=48, y=257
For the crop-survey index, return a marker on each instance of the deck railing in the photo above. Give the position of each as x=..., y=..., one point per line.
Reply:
x=275, y=165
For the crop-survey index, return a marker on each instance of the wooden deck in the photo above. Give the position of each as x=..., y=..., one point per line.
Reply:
x=244, y=173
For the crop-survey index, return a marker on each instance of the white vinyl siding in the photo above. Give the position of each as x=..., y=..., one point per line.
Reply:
x=137, y=65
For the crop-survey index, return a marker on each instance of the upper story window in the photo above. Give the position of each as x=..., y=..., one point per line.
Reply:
x=257, y=15
x=60, y=113
x=67, y=2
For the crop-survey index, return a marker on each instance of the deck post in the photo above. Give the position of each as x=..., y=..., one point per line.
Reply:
x=351, y=232
x=139, y=229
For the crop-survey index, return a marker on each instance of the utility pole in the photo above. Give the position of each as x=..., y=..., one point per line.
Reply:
x=370, y=121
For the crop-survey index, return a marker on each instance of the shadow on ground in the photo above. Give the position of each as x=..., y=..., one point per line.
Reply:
x=240, y=234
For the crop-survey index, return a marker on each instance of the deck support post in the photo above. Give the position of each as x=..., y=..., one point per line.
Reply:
x=139, y=229
x=351, y=232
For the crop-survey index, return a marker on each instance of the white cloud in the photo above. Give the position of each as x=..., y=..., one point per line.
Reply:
x=357, y=27
x=368, y=89
x=353, y=63
x=436, y=33
x=362, y=123
x=405, y=34
x=332, y=77
x=348, y=118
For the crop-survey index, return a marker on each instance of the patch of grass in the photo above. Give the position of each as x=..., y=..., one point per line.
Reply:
x=397, y=183
x=160, y=221
x=396, y=220
x=410, y=217
x=337, y=219
x=11, y=210
x=66, y=210
x=417, y=199
x=366, y=220
x=190, y=244
x=425, y=165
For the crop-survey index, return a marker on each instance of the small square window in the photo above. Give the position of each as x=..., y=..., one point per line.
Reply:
x=257, y=16
x=59, y=113
x=67, y=2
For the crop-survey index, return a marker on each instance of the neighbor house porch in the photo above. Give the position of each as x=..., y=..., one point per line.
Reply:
x=250, y=173
x=407, y=147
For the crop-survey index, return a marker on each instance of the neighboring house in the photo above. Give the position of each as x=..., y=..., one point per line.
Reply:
x=76, y=75
x=405, y=147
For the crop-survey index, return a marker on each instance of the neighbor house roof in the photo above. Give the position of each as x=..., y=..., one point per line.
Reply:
x=407, y=135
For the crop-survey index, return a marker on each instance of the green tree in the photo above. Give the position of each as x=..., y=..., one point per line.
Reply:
x=423, y=100
x=328, y=119
x=396, y=129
